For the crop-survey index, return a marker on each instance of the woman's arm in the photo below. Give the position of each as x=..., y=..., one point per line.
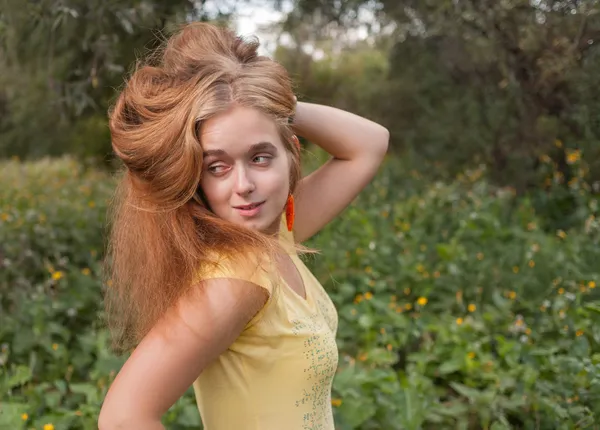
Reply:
x=173, y=354
x=357, y=145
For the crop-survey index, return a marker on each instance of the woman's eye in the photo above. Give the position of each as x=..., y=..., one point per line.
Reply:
x=262, y=159
x=217, y=168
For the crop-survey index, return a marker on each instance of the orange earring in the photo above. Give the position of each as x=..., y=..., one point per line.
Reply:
x=296, y=141
x=289, y=212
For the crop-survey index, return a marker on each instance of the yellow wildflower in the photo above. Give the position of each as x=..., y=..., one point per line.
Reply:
x=592, y=284
x=512, y=295
x=362, y=357
x=92, y=204
x=408, y=306
x=573, y=156
x=561, y=290
x=57, y=275
x=471, y=307
x=561, y=234
x=55, y=346
x=48, y=427
x=516, y=269
x=86, y=271
x=558, y=143
x=24, y=417
x=459, y=321
x=528, y=331
x=389, y=346
x=336, y=402
x=422, y=301
x=471, y=355
x=358, y=298
x=531, y=263
x=420, y=268
x=579, y=333
x=368, y=269
x=368, y=295
x=382, y=330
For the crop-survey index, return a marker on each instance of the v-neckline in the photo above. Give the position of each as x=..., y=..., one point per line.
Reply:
x=306, y=298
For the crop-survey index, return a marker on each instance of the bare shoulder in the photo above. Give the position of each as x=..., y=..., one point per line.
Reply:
x=201, y=326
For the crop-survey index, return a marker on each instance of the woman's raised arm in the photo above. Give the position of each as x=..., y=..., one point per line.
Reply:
x=357, y=146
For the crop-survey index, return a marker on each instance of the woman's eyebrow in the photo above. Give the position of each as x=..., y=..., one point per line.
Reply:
x=213, y=152
x=263, y=146
x=260, y=146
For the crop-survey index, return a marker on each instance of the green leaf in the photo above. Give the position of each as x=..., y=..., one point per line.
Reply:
x=10, y=414
x=356, y=411
x=470, y=393
x=189, y=417
x=451, y=366
x=88, y=390
x=20, y=376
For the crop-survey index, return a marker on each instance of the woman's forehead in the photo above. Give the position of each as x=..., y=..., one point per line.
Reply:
x=238, y=129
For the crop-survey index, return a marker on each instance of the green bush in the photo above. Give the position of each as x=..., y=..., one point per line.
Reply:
x=458, y=308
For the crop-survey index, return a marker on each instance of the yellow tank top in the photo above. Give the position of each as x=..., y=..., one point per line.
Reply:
x=278, y=374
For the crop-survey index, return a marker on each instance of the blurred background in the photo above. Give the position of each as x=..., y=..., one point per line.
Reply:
x=465, y=275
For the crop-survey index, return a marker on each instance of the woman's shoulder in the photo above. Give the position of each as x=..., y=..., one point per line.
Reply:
x=246, y=267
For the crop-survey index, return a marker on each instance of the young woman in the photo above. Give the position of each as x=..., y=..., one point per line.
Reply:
x=208, y=218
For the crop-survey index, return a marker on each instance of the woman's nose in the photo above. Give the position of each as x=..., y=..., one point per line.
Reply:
x=243, y=183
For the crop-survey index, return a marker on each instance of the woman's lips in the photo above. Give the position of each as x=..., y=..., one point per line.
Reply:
x=249, y=210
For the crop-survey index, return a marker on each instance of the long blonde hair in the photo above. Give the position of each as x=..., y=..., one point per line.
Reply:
x=161, y=233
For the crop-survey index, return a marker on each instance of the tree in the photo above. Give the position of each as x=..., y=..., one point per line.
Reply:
x=485, y=81
x=61, y=62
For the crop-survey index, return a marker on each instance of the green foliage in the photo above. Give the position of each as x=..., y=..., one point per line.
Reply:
x=457, y=309
x=466, y=82
x=60, y=62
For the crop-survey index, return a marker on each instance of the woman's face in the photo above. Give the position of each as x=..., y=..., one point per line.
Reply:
x=246, y=169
